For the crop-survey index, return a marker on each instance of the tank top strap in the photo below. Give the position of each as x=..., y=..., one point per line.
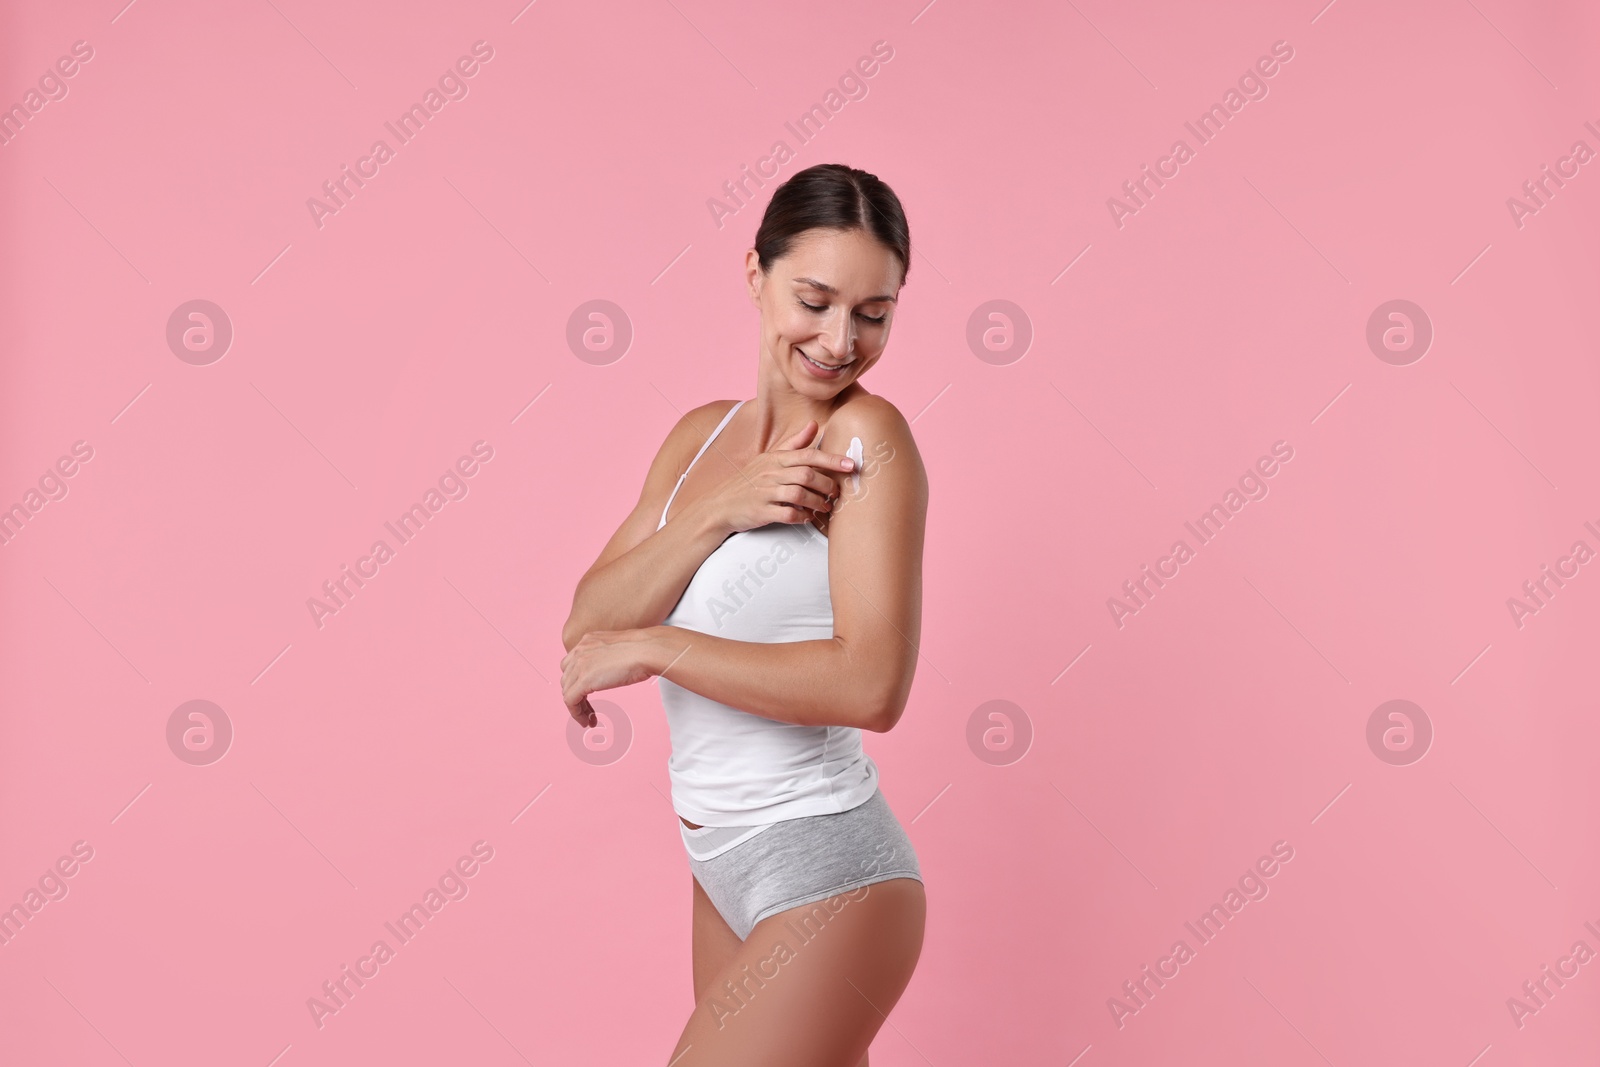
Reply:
x=713, y=437
x=695, y=460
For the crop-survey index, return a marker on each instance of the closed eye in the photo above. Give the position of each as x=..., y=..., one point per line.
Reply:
x=824, y=307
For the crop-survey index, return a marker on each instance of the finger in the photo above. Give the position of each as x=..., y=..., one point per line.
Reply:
x=801, y=497
x=817, y=480
x=815, y=457
x=792, y=515
x=577, y=702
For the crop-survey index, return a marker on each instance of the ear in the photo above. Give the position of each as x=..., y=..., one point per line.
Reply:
x=752, y=275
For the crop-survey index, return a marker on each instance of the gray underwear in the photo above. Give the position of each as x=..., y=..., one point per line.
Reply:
x=752, y=872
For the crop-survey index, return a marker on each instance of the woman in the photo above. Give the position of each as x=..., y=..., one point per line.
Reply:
x=776, y=589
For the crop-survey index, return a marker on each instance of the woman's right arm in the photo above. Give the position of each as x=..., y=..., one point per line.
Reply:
x=643, y=571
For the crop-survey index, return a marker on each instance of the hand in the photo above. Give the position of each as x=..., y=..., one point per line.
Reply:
x=787, y=484
x=602, y=659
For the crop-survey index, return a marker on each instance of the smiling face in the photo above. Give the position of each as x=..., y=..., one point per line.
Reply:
x=826, y=308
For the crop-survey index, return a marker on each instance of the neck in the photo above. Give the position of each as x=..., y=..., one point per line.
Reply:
x=780, y=411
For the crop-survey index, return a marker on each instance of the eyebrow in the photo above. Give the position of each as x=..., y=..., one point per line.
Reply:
x=826, y=288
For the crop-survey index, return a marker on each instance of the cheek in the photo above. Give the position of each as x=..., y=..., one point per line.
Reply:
x=795, y=327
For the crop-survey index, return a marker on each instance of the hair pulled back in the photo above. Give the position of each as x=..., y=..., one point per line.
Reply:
x=833, y=196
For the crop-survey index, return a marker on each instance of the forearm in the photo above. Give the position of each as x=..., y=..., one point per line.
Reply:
x=809, y=683
x=640, y=587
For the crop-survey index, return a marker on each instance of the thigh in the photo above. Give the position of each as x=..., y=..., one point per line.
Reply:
x=811, y=985
x=714, y=942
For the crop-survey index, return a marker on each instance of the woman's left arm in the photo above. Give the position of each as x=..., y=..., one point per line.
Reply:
x=861, y=676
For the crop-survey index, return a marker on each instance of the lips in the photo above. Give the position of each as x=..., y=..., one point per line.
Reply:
x=824, y=368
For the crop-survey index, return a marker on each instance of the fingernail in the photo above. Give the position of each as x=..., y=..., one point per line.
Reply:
x=849, y=464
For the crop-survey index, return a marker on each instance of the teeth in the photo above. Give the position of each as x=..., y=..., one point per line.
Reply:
x=825, y=366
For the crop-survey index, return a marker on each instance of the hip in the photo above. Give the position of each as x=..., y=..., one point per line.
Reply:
x=752, y=872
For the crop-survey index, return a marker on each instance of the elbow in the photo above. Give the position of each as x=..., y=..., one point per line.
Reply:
x=880, y=721
x=880, y=715
x=574, y=628
x=877, y=688
x=570, y=634
x=882, y=688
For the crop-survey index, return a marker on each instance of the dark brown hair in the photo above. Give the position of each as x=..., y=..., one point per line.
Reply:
x=832, y=196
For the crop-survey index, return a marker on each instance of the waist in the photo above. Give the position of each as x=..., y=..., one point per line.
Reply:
x=732, y=768
x=750, y=774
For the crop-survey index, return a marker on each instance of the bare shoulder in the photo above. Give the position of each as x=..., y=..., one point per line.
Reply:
x=704, y=418
x=890, y=458
x=678, y=448
x=883, y=430
x=691, y=431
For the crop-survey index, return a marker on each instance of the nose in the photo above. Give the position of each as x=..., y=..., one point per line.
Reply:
x=840, y=337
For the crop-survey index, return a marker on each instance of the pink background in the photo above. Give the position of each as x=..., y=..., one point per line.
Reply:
x=368, y=354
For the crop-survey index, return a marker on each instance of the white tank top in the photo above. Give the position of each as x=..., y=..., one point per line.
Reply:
x=730, y=768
